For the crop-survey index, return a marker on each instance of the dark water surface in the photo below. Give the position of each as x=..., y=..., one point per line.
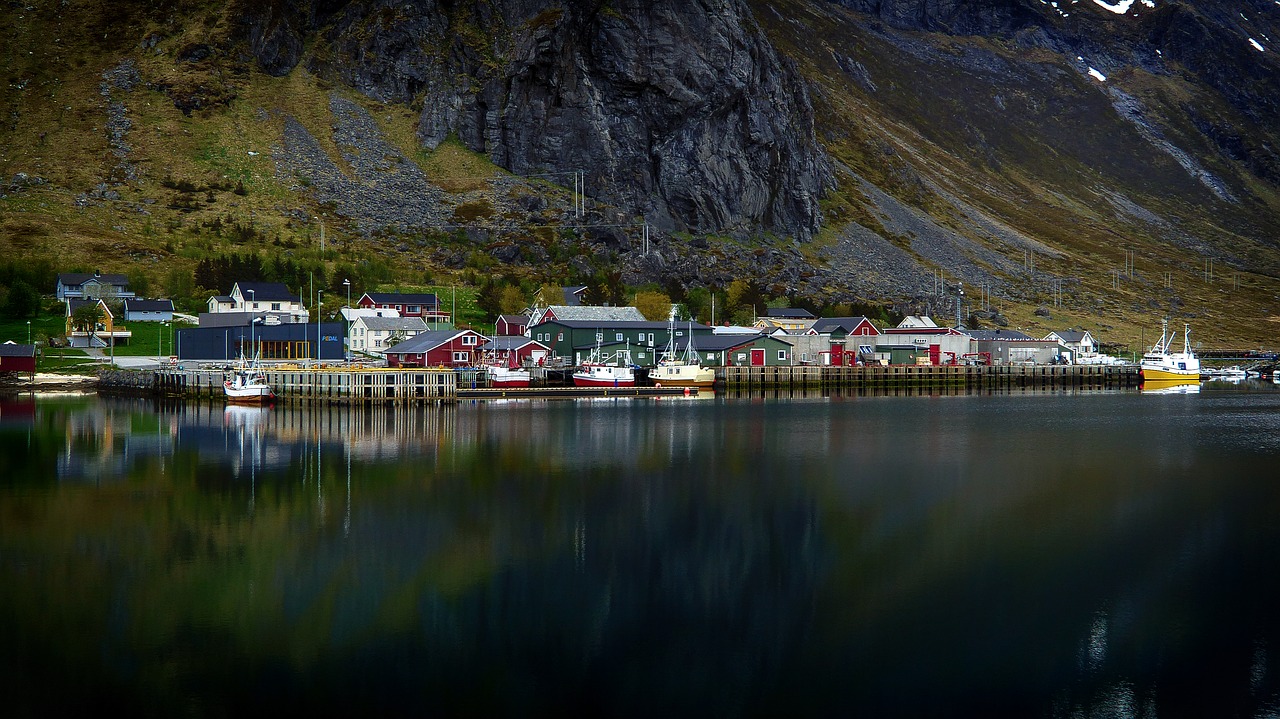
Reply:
x=1092, y=555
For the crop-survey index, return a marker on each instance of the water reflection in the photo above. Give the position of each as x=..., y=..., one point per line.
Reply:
x=1066, y=554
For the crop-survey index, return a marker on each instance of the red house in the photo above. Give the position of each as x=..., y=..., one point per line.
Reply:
x=17, y=358
x=426, y=306
x=511, y=325
x=847, y=334
x=515, y=351
x=438, y=348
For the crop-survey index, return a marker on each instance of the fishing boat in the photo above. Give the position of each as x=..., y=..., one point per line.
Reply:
x=683, y=370
x=247, y=384
x=595, y=372
x=1162, y=365
x=508, y=375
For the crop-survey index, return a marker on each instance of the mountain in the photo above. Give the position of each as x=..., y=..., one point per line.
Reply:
x=1072, y=163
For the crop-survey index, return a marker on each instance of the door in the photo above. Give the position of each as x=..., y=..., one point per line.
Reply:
x=757, y=358
x=837, y=354
x=935, y=355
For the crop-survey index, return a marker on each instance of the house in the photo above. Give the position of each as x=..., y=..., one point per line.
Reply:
x=105, y=331
x=844, y=336
x=1080, y=342
x=437, y=348
x=258, y=300
x=424, y=305
x=914, y=321
x=351, y=313
x=136, y=310
x=373, y=335
x=514, y=350
x=17, y=358
x=942, y=345
x=758, y=351
x=283, y=342
x=511, y=325
x=74, y=285
x=566, y=297
x=576, y=339
x=586, y=313
x=790, y=319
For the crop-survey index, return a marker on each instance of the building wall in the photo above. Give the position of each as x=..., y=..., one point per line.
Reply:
x=148, y=317
x=277, y=343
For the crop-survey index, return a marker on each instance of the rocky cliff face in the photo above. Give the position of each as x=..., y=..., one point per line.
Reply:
x=680, y=112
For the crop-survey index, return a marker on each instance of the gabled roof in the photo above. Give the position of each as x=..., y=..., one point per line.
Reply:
x=826, y=325
x=10, y=349
x=75, y=304
x=515, y=319
x=594, y=313
x=403, y=298
x=224, y=299
x=75, y=279
x=393, y=324
x=642, y=325
x=266, y=291
x=718, y=343
x=135, y=305
x=986, y=335
x=794, y=313
x=917, y=321
x=427, y=341
x=506, y=343
x=1069, y=335
x=573, y=295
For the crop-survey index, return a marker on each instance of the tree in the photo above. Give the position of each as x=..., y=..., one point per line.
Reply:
x=511, y=300
x=550, y=294
x=179, y=283
x=85, y=318
x=23, y=300
x=654, y=305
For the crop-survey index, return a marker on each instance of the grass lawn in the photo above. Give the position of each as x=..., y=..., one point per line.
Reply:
x=43, y=324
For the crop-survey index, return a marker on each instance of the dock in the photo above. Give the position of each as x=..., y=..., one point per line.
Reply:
x=341, y=384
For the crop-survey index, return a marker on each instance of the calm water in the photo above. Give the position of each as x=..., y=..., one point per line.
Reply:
x=1094, y=555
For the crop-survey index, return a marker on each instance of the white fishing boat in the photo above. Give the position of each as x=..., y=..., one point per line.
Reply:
x=596, y=372
x=1162, y=365
x=683, y=370
x=247, y=384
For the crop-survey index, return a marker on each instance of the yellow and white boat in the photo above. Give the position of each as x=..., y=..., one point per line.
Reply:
x=1161, y=365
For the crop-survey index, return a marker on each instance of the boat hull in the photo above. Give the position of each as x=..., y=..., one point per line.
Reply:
x=585, y=381
x=509, y=383
x=687, y=376
x=1162, y=374
x=252, y=396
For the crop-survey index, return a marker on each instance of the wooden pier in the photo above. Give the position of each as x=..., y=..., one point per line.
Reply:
x=927, y=376
x=336, y=385
x=339, y=385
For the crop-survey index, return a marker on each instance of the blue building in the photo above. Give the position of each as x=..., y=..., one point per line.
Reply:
x=282, y=342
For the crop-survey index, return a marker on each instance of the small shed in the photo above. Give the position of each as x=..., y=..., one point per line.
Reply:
x=17, y=358
x=511, y=325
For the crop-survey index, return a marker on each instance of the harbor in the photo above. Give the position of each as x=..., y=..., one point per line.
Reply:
x=361, y=385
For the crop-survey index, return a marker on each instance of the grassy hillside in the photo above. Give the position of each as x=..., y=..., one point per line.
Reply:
x=155, y=150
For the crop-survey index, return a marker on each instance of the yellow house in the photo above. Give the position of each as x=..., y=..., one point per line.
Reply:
x=105, y=331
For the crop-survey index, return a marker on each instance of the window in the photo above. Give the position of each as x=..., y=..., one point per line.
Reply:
x=560, y=337
x=599, y=337
x=377, y=343
x=460, y=357
x=414, y=308
x=469, y=340
x=275, y=305
x=679, y=333
x=782, y=355
x=640, y=339
x=619, y=337
x=742, y=357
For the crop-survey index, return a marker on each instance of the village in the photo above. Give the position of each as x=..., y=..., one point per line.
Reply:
x=272, y=323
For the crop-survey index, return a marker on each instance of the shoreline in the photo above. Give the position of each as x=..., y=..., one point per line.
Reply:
x=53, y=383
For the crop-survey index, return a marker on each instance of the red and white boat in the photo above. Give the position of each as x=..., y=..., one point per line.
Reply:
x=247, y=384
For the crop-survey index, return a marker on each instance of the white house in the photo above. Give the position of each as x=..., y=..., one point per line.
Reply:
x=374, y=335
x=261, y=299
x=1081, y=343
x=74, y=285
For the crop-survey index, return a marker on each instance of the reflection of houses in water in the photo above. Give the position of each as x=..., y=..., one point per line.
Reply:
x=103, y=443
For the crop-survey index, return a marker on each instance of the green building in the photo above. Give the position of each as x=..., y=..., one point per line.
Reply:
x=642, y=342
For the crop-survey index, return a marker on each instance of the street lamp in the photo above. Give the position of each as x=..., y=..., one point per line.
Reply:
x=28, y=331
x=319, y=306
x=347, y=284
x=253, y=339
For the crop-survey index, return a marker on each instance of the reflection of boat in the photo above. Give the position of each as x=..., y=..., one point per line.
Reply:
x=1162, y=365
x=1230, y=374
x=683, y=370
x=247, y=384
x=1176, y=386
